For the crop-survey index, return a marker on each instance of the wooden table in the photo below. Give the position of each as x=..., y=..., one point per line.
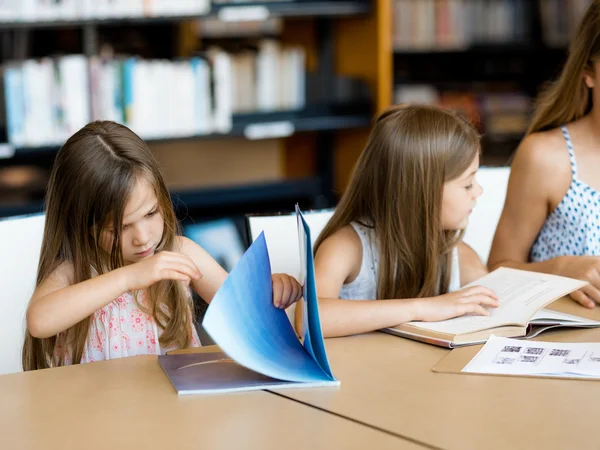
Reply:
x=387, y=382
x=130, y=404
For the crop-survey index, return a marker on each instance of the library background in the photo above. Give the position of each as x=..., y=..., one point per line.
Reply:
x=252, y=107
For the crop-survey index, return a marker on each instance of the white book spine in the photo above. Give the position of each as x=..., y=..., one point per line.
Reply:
x=68, y=10
x=45, y=103
x=136, y=122
x=8, y=10
x=28, y=10
x=202, y=94
x=299, y=101
x=31, y=77
x=188, y=103
x=75, y=92
x=222, y=82
x=162, y=99
x=267, y=76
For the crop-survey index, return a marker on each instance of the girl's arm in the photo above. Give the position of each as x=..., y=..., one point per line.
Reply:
x=213, y=275
x=533, y=173
x=57, y=304
x=538, y=172
x=338, y=261
x=286, y=289
x=471, y=267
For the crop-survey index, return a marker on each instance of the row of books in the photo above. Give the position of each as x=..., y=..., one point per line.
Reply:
x=269, y=78
x=46, y=10
x=216, y=28
x=457, y=24
x=560, y=19
x=497, y=113
x=49, y=99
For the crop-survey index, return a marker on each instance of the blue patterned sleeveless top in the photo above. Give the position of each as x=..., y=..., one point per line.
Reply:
x=573, y=228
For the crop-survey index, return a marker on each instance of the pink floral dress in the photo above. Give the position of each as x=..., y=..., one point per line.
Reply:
x=121, y=329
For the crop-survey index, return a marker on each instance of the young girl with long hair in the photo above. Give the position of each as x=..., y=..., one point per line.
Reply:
x=114, y=274
x=396, y=236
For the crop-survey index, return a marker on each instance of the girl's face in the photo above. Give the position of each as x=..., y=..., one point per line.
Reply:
x=459, y=198
x=142, y=227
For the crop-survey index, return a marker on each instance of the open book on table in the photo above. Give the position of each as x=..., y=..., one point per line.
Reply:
x=260, y=349
x=523, y=296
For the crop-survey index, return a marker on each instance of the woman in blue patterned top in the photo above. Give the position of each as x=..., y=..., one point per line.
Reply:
x=551, y=218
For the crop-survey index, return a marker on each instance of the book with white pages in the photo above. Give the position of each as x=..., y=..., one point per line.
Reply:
x=260, y=349
x=523, y=297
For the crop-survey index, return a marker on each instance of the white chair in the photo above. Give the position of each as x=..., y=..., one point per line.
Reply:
x=281, y=235
x=484, y=219
x=20, y=245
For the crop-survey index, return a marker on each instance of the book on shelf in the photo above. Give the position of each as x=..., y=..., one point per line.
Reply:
x=47, y=100
x=457, y=24
x=560, y=19
x=496, y=113
x=51, y=10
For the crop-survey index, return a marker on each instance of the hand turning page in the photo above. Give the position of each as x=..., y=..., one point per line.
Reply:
x=260, y=348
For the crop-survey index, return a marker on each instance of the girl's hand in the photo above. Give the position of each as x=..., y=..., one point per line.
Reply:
x=286, y=290
x=161, y=266
x=586, y=268
x=466, y=301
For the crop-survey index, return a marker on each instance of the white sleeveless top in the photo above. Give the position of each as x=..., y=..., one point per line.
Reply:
x=364, y=286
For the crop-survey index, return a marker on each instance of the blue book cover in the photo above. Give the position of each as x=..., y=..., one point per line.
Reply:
x=260, y=348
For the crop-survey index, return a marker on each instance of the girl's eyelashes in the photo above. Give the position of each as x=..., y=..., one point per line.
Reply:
x=150, y=214
x=469, y=187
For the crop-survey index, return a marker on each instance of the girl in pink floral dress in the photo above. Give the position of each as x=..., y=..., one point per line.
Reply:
x=114, y=277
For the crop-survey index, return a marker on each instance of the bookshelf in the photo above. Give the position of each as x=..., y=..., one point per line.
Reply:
x=256, y=126
x=487, y=59
x=357, y=39
x=313, y=143
x=512, y=70
x=217, y=202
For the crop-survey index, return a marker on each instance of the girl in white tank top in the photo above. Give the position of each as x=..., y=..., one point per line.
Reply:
x=409, y=198
x=364, y=286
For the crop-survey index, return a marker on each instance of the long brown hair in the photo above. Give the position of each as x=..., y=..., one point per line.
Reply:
x=92, y=177
x=396, y=188
x=568, y=98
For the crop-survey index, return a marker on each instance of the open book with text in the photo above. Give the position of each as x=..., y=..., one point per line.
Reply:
x=523, y=295
x=260, y=349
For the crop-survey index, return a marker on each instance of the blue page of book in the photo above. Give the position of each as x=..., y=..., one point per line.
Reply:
x=243, y=322
x=311, y=323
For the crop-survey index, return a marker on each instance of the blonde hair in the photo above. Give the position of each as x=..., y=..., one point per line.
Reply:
x=397, y=187
x=568, y=98
x=92, y=178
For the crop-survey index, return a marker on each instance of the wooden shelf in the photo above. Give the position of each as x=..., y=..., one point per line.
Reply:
x=246, y=195
x=270, y=125
x=260, y=10
x=299, y=8
x=347, y=38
